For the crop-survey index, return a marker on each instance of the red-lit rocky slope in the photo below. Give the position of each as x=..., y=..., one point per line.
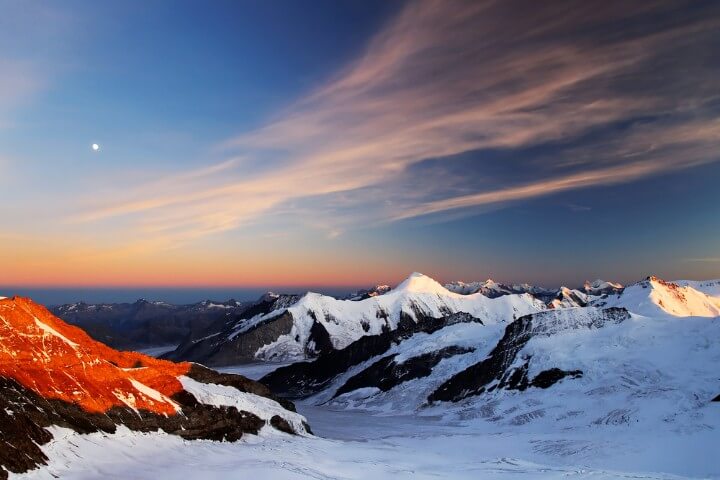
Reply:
x=52, y=373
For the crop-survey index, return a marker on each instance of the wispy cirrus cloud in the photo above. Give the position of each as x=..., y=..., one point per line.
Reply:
x=704, y=260
x=443, y=78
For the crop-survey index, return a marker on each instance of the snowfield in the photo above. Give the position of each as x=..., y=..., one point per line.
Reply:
x=357, y=445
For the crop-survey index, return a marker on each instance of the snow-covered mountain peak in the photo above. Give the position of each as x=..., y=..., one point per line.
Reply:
x=304, y=327
x=655, y=295
x=419, y=283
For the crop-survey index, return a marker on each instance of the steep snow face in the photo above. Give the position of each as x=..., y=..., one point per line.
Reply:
x=419, y=283
x=653, y=296
x=420, y=362
x=418, y=296
x=567, y=298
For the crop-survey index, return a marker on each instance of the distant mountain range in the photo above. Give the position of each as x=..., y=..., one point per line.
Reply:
x=145, y=323
x=287, y=327
x=291, y=327
x=639, y=356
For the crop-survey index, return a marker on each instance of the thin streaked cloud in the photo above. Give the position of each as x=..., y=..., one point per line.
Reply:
x=444, y=78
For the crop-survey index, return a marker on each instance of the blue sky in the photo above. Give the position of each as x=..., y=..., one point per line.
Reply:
x=260, y=144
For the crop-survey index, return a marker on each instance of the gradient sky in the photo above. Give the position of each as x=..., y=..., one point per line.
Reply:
x=254, y=143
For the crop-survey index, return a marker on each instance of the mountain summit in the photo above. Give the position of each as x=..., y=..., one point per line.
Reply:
x=314, y=323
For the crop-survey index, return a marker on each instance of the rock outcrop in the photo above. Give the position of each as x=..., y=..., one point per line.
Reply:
x=500, y=370
x=52, y=373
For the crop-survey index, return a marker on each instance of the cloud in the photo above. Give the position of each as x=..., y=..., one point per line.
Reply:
x=704, y=260
x=652, y=151
x=443, y=78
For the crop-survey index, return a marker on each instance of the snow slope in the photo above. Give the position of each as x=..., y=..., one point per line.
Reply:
x=711, y=288
x=359, y=446
x=653, y=296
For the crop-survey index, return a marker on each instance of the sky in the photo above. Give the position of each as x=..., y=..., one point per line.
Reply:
x=256, y=144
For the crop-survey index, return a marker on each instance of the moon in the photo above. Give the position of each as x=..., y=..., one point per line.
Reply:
x=95, y=147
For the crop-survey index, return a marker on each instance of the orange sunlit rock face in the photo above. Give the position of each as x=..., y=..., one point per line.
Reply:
x=59, y=361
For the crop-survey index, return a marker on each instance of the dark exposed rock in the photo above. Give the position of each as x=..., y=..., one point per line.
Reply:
x=386, y=373
x=205, y=375
x=319, y=339
x=52, y=373
x=716, y=399
x=281, y=424
x=495, y=372
x=548, y=378
x=305, y=378
x=222, y=348
x=24, y=416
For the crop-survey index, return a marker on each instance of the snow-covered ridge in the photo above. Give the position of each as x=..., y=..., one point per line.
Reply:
x=288, y=327
x=491, y=288
x=654, y=296
x=418, y=296
x=370, y=292
x=296, y=328
x=221, y=395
